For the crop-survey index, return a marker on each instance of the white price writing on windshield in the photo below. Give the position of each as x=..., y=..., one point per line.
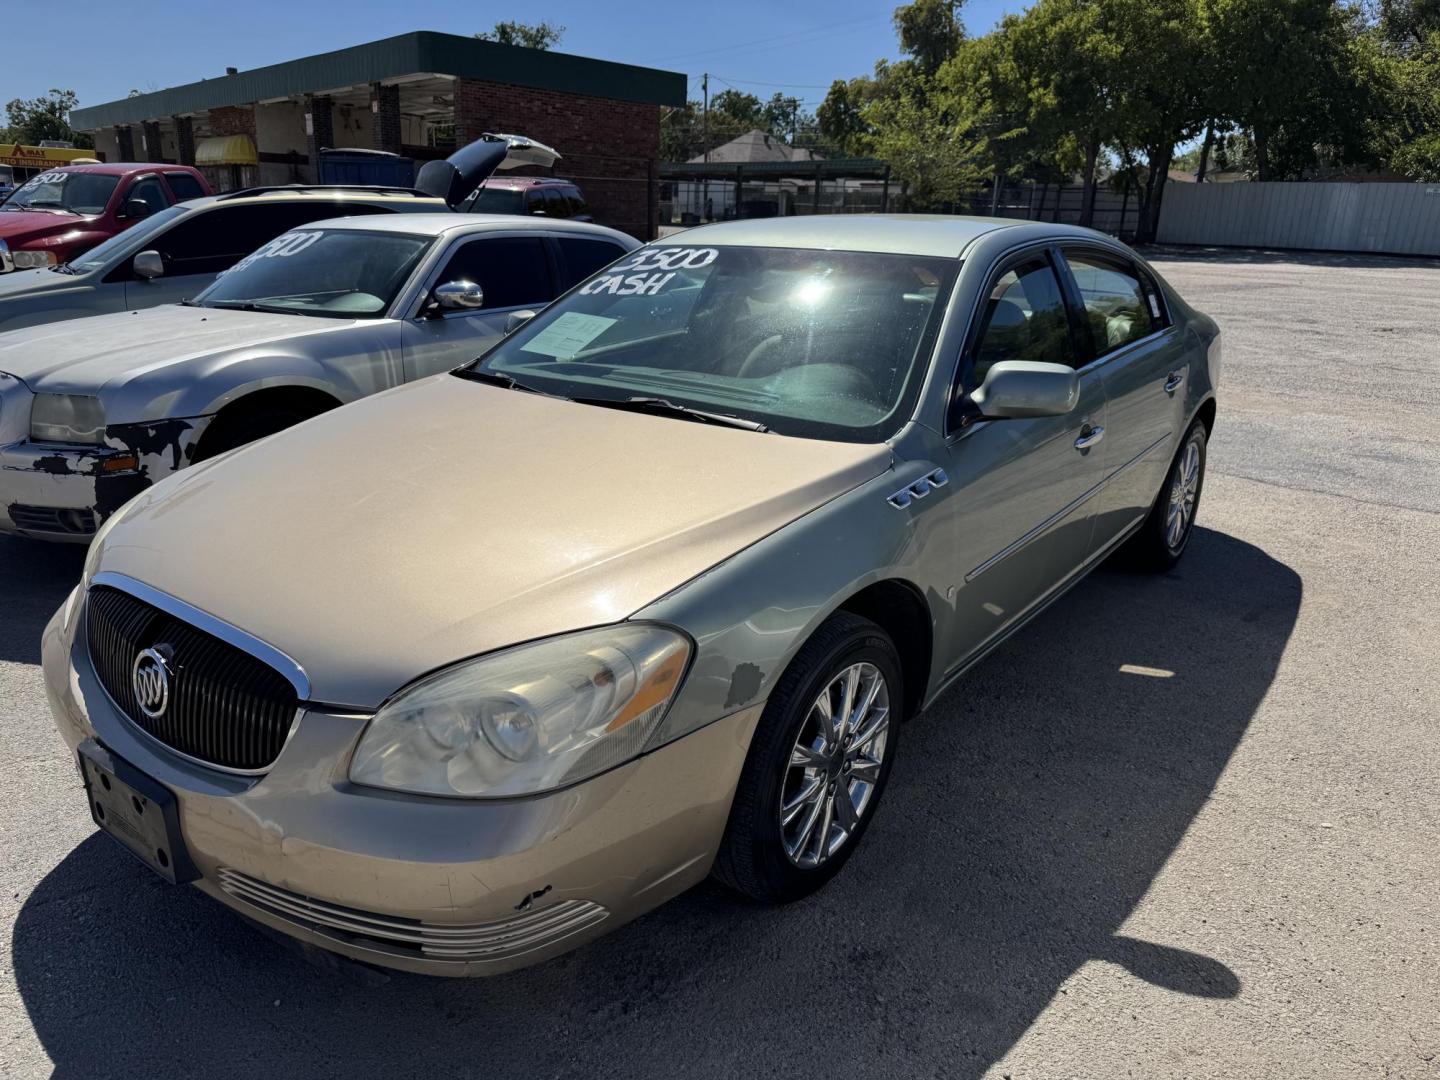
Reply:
x=280, y=247
x=668, y=259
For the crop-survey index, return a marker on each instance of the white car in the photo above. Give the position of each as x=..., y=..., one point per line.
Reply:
x=94, y=410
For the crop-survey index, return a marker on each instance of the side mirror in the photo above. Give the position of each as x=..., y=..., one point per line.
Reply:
x=135, y=209
x=1016, y=388
x=148, y=265
x=518, y=319
x=459, y=296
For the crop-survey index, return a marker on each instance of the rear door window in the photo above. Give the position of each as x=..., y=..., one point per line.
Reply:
x=581, y=256
x=513, y=271
x=556, y=205
x=1120, y=308
x=184, y=186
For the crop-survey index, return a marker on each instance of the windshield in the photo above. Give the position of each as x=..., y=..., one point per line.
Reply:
x=135, y=238
x=820, y=344
x=72, y=192
x=342, y=273
x=498, y=201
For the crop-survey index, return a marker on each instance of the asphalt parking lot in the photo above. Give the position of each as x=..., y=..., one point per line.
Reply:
x=1078, y=871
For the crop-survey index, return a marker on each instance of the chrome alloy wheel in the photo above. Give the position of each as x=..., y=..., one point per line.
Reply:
x=835, y=765
x=1183, y=492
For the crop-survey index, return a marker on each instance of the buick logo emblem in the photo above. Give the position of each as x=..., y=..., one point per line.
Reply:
x=150, y=679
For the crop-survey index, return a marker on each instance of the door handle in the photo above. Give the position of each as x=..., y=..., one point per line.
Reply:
x=1173, y=382
x=1089, y=436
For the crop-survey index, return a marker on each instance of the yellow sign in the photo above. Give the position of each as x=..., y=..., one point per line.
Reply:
x=40, y=157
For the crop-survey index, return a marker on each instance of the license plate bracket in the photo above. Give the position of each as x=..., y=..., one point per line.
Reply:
x=138, y=811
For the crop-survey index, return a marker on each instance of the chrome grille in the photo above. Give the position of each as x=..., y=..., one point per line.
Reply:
x=524, y=933
x=225, y=707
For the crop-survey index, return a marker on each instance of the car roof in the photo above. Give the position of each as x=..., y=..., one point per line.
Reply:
x=122, y=168
x=395, y=199
x=942, y=235
x=449, y=221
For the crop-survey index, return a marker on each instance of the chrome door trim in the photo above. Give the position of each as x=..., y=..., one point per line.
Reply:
x=216, y=627
x=991, y=644
x=1039, y=530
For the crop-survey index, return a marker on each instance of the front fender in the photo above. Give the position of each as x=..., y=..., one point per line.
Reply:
x=750, y=615
x=345, y=365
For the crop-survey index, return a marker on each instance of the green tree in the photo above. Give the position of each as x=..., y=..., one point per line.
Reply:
x=740, y=109
x=540, y=35
x=1071, y=58
x=840, y=116
x=31, y=121
x=1287, y=75
x=782, y=116
x=930, y=32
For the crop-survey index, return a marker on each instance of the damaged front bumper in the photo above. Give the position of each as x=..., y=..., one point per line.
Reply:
x=54, y=491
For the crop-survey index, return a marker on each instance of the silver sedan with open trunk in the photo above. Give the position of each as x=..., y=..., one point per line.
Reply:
x=470, y=672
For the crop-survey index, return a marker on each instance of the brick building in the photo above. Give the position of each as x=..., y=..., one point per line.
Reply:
x=418, y=95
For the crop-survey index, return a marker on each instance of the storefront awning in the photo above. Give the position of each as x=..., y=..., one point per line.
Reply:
x=226, y=150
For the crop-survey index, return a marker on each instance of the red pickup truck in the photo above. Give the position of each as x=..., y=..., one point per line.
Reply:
x=66, y=211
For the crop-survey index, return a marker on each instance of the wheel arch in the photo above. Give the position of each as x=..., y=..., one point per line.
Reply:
x=1206, y=415
x=898, y=608
x=301, y=397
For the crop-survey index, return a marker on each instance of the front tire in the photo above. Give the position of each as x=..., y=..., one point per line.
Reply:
x=1161, y=541
x=817, y=765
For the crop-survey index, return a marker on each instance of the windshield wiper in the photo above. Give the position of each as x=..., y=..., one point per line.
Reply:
x=664, y=407
x=494, y=378
x=64, y=268
x=250, y=305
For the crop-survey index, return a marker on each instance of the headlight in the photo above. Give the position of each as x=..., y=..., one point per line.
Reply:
x=30, y=260
x=67, y=418
x=528, y=719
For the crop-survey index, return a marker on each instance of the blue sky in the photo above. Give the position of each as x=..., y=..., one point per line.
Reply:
x=753, y=45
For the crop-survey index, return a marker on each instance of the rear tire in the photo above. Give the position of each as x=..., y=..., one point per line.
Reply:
x=1161, y=541
x=790, y=830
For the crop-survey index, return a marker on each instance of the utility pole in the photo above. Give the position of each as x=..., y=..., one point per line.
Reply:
x=705, y=140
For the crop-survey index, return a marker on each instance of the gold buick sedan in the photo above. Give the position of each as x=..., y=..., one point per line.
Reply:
x=467, y=673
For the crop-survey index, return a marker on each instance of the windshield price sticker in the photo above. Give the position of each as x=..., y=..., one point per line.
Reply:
x=649, y=272
x=281, y=247
x=46, y=178
x=568, y=335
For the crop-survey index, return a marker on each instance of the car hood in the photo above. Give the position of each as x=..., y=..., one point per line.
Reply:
x=444, y=519
x=18, y=225
x=21, y=283
x=86, y=355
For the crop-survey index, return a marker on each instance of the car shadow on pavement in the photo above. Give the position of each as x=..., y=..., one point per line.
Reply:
x=1031, y=808
x=35, y=578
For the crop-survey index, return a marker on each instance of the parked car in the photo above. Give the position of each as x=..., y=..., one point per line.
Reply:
x=177, y=251
x=543, y=195
x=466, y=674
x=95, y=410
x=64, y=212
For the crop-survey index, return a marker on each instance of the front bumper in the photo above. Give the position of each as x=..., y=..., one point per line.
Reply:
x=64, y=493
x=440, y=886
